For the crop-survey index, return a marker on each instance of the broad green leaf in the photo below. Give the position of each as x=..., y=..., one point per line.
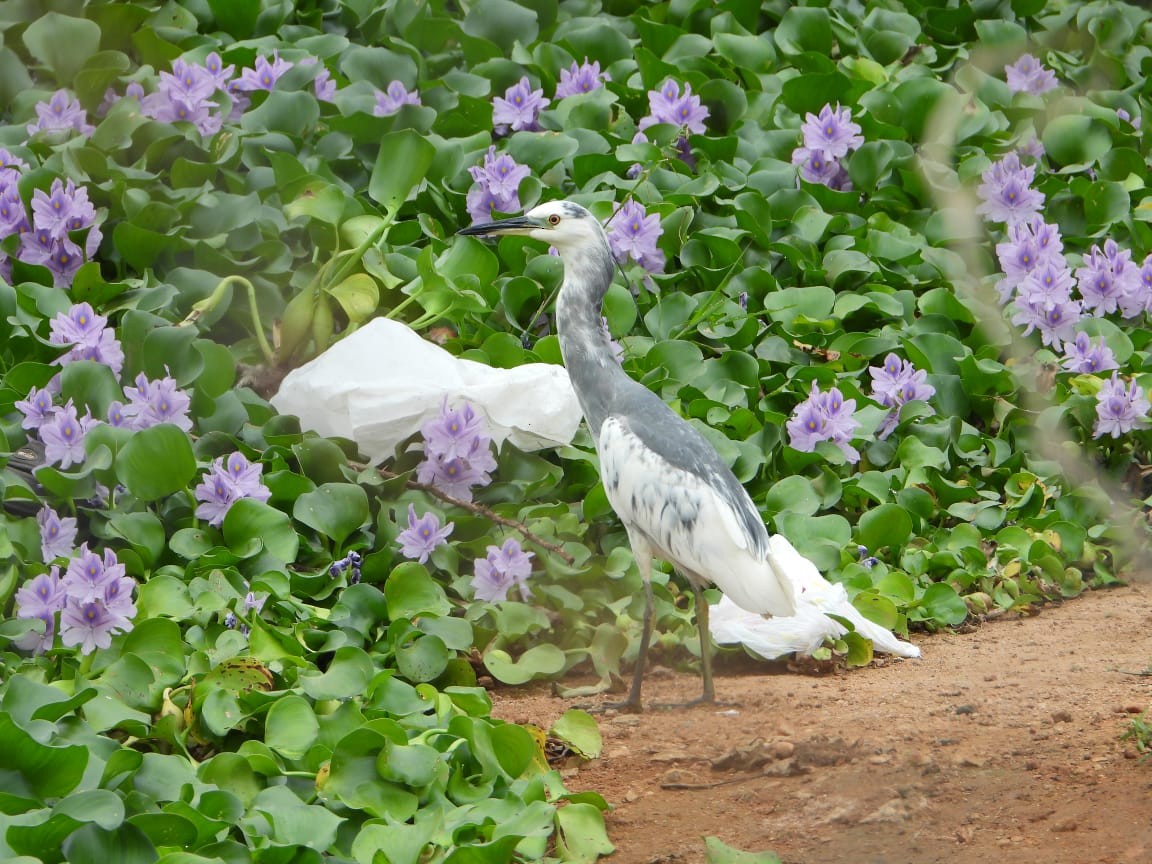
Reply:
x=335, y=510
x=291, y=727
x=401, y=166
x=156, y=462
x=62, y=43
x=250, y=522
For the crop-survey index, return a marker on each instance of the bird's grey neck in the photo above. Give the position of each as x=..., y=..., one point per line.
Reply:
x=583, y=340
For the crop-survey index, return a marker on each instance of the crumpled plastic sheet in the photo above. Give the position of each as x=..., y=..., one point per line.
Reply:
x=380, y=384
x=805, y=631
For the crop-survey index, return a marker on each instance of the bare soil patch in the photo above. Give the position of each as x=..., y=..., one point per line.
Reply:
x=1002, y=743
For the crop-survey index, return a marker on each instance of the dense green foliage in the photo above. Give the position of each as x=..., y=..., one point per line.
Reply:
x=344, y=719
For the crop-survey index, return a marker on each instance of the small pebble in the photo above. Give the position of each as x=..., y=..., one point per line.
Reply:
x=1062, y=716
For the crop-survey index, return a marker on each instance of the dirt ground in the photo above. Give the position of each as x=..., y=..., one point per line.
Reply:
x=1002, y=744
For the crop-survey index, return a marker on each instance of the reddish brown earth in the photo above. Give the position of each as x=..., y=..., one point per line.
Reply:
x=1002, y=744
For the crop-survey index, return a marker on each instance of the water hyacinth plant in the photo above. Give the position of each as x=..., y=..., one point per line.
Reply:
x=252, y=643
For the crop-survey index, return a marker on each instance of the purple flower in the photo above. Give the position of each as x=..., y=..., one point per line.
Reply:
x=13, y=218
x=894, y=384
x=37, y=408
x=1056, y=322
x=216, y=494
x=505, y=567
x=1047, y=285
x=254, y=602
x=80, y=325
x=452, y=433
x=117, y=600
x=40, y=597
x=668, y=105
x=497, y=182
x=59, y=254
x=454, y=477
x=226, y=482
x=1027, y=75
x=1109, y=281
x=154, y=402
x=323, y=85
x=88, y=574
x=422, y=535
x=87, y=624
x=41, y=594
x=63, y=436
x=580, y=79
x=57, y=534
x=1006, y=193
x=824, y=417
x=831, y=131
x=117, y=416
x=219, y=73
x=1084, y=355
x=10, y=166
x=60, y=113
x=89, y=335
x=500, y=173
x=816, y=166
x=633, y=233
x=247, y=476
x=389, y=101
x=1120, y=408
x=519, y=109
x=898, y=381
x=265, y=74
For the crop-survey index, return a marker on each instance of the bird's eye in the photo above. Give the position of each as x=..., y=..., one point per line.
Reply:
x=554, y=219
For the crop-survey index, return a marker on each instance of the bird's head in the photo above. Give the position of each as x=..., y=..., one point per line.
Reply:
x=567, y=226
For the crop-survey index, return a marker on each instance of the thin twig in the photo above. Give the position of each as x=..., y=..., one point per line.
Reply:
x=481, y=510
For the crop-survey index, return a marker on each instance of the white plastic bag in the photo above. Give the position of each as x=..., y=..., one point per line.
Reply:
x=380, y=384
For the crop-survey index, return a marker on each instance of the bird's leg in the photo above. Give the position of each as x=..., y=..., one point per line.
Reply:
x=645, y=637
x=632, y=704
x=709, y=694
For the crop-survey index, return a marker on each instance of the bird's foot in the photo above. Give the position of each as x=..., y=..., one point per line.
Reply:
x=698, y=702
x=626, y=706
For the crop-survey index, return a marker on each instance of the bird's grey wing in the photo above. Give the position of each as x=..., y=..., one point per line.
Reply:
x=672, y=501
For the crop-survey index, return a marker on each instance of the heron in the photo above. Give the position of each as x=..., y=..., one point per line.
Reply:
x=677, y=499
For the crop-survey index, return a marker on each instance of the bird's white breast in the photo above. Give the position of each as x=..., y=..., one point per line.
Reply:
x=687, y=522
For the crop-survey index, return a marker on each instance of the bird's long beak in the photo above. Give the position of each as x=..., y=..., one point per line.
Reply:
x=514, y=225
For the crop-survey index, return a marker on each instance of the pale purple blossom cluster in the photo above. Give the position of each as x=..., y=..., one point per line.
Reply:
x=457, y=452
x=89, y=336
x=518, y=110
x=59, y=114
x=93, y=600
x=824, y=417
x=633, y=233
x=57, y=534
x=1109, y=281
x=582, y=78
x=423, y=534
x=1006, y=193
x=505, y=567
x=227, y=481
x=392, y=99
x=1083, y=355
x=191, y=92
x=895, y=383
x=1028, y=75
x=1120, y=407
x=58, y=216
x=496, y=187
x=827, y=138
x=669, y=105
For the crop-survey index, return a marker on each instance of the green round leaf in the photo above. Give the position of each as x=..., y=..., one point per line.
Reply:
x=156, y=462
